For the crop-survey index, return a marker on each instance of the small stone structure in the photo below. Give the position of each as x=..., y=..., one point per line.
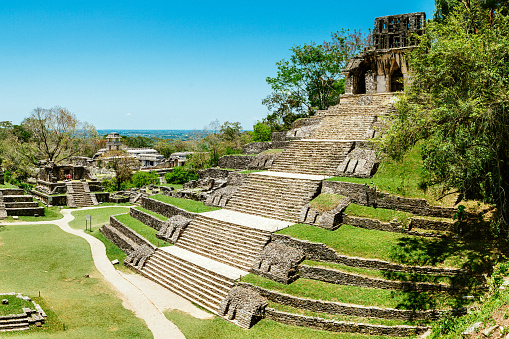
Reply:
x=243, y=305
x=278, y=262
x=22, y=321
x=359, y=163
x=172, y=228
x=139, y=256
x=53, y=173
x=384, y=67
x=330, y=220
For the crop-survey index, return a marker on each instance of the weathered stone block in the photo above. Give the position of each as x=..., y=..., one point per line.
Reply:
x=244, y=305
x=172, y=228
x=278, y=262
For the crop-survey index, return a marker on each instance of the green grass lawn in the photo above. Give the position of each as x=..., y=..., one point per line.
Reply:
x=154, y=214
x=186, y=204
x=326, y=202
x=218, y=328
x=43, y=258
x=145, y=231
x=381, y=214
x=15, y=305
x=8, y=185
x=314, y=289
x=101, y=216
x=394, y=247
x=403, y=179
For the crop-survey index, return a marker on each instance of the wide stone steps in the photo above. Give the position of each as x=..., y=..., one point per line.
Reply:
x=197, y=284
x=18, y=198
x=273, y=197
x=312, y=157
x=356, y=110
x=224, y=241
x=345, y=127
x=14, y=324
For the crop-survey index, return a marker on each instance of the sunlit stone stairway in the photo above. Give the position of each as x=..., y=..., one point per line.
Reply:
x=78, y=194
x=315, y=157
x=226, y=242
x=275, y=195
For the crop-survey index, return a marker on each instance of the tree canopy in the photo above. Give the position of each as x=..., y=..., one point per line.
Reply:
x=311, y=79
x=457, y=105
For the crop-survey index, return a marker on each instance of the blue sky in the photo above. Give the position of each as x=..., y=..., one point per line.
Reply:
x=161, y=64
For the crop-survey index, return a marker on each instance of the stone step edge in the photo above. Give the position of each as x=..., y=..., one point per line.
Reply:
x=192, y=269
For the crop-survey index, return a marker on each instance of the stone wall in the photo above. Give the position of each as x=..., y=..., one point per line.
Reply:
x=330, y=220
x=239, y=162
x=130, y=233
x=373, y=224
x=214, y=173
x=351, y=279
x=102, y=196
x=56, y=200
x=331, y=307
x=303, y=128
x=32, y=211
x=434, y=225
x=256, y=147
x=164, y=209
x=146, y=218
x=321, y=252
x=342, y=326
x=263, y=161
x=367, y=196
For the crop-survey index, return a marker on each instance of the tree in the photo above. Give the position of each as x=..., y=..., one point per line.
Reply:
x=141, y=178
x=457, y=106
x=311, y=79
x=445, y=7
x=123, y=164
x=261, y=132
x=58, y=134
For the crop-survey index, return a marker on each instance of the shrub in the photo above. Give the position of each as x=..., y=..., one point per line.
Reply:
x=140, y=178
x=180, y=175
x=261, y=132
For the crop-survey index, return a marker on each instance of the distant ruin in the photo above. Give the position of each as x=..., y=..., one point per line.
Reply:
x=384, y=68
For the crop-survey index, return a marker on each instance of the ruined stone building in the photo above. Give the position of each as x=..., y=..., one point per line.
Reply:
x=383, y=68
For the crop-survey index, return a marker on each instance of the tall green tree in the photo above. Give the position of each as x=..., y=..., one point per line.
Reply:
x=457, y=105
x=311, y=79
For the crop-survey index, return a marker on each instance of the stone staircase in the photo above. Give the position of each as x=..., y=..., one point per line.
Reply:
x=14, y=324
x=315, y=157
x=352, y=109
x=15, y=202
x=226, y=242
x=78, y=194
x=346, y=127
x=275, y=197
x=190, y=276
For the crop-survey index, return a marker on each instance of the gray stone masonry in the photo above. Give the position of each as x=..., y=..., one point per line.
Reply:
x=373, y=224
x=321, y=252
x=278, y=262
x=263, y=161
x=303, y=128
x=214, y=173
x=164, y=209
x=118, y=238
x=330, y=220
x=239, y=162
x=139, y=256
x=243, y=305
x=221, y=197
x=130, y=233
x=342, y=326
x=359, y=163
x=172, y=228
x=146, y=218
x=331, y=307
x=364, y=195
x=351, y=279
x=256, y=147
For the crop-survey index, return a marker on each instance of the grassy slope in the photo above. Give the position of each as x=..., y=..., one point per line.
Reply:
x=186, y=204
x=15, y=305
x=145, y=231
x=43, y=258
x=218, y=328
x=395, y=247
x=314, y=289
x=402, y=178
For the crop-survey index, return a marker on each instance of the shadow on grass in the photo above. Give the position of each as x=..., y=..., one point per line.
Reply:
x=475, y=256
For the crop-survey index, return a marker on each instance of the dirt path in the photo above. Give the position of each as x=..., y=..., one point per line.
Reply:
x=145, y=298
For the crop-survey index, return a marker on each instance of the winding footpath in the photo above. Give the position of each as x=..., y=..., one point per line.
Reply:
x=145, y=298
